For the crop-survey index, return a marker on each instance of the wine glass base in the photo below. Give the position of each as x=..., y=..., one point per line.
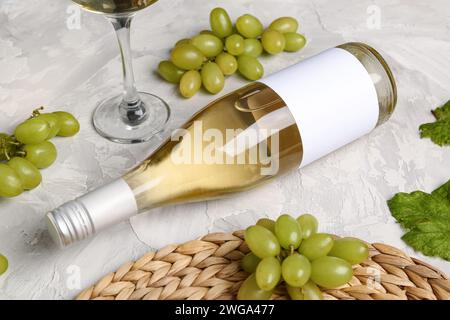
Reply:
x=108, y=121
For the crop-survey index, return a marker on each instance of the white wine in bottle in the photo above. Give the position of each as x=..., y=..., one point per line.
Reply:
x=246, y=138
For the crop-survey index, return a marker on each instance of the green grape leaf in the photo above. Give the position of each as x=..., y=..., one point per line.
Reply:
x=412, y=208
x=430, y=238
x=426, y=217
x=438, y=131
x=443, y=191
x=442, y=113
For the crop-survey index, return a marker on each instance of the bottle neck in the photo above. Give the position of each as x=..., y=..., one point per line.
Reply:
x=96, y=210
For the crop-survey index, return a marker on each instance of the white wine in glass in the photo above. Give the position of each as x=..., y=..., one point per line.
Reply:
x=114, y=6
x=132, y=116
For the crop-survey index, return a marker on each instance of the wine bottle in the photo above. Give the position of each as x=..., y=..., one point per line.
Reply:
x=246, y=138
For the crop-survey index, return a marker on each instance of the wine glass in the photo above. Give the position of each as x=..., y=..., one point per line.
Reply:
x=132, y=116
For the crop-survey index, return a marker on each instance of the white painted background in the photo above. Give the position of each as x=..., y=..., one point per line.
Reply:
x=42, y=61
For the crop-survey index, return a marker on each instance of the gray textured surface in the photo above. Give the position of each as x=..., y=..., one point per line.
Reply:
x=44, y=62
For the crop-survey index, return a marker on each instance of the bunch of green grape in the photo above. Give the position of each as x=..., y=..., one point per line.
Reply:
x=213, y=54
x=291, y=251
x=29, y=149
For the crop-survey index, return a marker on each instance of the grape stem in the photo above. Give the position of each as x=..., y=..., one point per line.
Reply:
x=3, y=148
x=6, y=151
x=37, y=112
x=291, y=249
x=5, y=141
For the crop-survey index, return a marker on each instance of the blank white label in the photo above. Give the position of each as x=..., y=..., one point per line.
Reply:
x=332, y=98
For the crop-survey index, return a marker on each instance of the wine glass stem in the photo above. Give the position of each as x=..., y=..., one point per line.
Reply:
x=131, y=108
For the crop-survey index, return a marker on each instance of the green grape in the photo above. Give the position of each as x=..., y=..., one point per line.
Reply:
x=331, y=272
x=3, y=264
x=262, y=242
x=250, y=68
x=227, y=63
x=53, y=121
x=42, y=155
x=249, y=26
x=10, y=183
x=268, y=273
x=169, y=72
x=212, y=78
x=69, y=126
x=294, y=41
x=207, y=32
x=187, y=57
x=273, y=41
x=182, y=42
x=190, y=83
x=208, y=44
x=288, y=232
x=284, y=25
x=32, y=131
x=220, y=23
x=316, y=246
x=296, y=270
x=294, y=292
x=29, y=175
x=309, y=225
x=249, y=262
x=269, y=224
x=249, y=290
x=310, y=291
x=352, y=250
x=234, y=44
x=252, y=48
